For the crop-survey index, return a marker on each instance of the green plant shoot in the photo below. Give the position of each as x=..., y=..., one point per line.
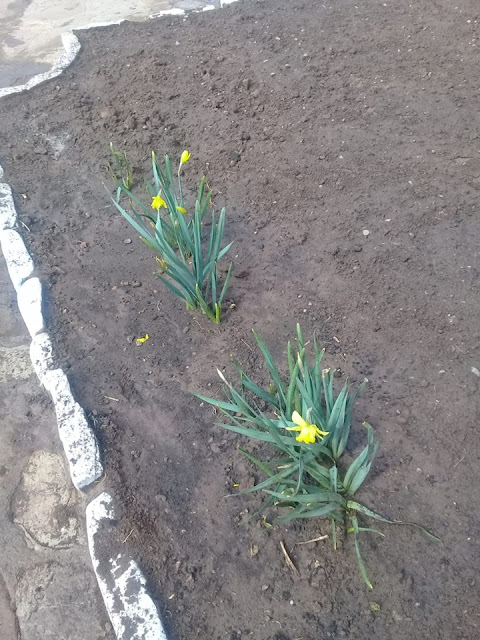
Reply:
x=119, y=167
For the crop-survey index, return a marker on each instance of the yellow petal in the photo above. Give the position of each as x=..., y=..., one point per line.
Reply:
x=181, y=210
x=185, y=157
x=158, y=202
x=297, y=419
x=306, y=436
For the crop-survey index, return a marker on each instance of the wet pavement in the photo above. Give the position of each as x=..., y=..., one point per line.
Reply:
x=30, y=30
x=47, y=586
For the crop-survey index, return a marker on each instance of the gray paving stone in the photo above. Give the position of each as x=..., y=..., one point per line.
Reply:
x=8, y=619
x=57, y=601
x=45, y=503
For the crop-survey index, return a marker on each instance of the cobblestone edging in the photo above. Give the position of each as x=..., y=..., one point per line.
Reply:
x=132, y=612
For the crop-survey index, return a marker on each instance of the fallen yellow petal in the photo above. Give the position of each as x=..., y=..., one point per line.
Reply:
x=142, y=340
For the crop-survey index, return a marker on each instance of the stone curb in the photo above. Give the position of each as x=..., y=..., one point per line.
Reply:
x=79, y=442
x=8, y=215
x=19, y=263
x=132, y=612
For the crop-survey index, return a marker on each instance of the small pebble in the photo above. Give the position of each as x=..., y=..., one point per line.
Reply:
x=366, y=232
x=475, y=371
x=128, y=241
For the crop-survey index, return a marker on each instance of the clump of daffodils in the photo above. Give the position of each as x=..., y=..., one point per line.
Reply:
x=308, y=425
x=188, y=257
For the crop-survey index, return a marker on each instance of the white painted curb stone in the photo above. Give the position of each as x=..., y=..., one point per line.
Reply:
x=168, y=12
x=29, y=298
x=8, y=215
x=41, y=354
x=132, y=612
x=19, y=263
x=79, y=441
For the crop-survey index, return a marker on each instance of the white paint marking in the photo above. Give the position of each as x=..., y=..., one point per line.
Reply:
x=132, y=612
x=78, y=439
x=19, y=263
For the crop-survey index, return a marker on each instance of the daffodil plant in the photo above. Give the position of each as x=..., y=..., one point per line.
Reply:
x=119, y=167
x=309, y=424
x=188, y=261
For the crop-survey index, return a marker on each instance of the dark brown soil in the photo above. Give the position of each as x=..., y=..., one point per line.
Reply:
x=314, y=124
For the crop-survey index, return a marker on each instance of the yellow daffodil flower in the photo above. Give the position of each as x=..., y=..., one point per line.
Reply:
x=181, y=210
x=308, y=432
x=142, y=340
x=158, y=202
x=185, y=157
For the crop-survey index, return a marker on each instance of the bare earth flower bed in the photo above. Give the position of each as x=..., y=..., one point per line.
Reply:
x=314, y=124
